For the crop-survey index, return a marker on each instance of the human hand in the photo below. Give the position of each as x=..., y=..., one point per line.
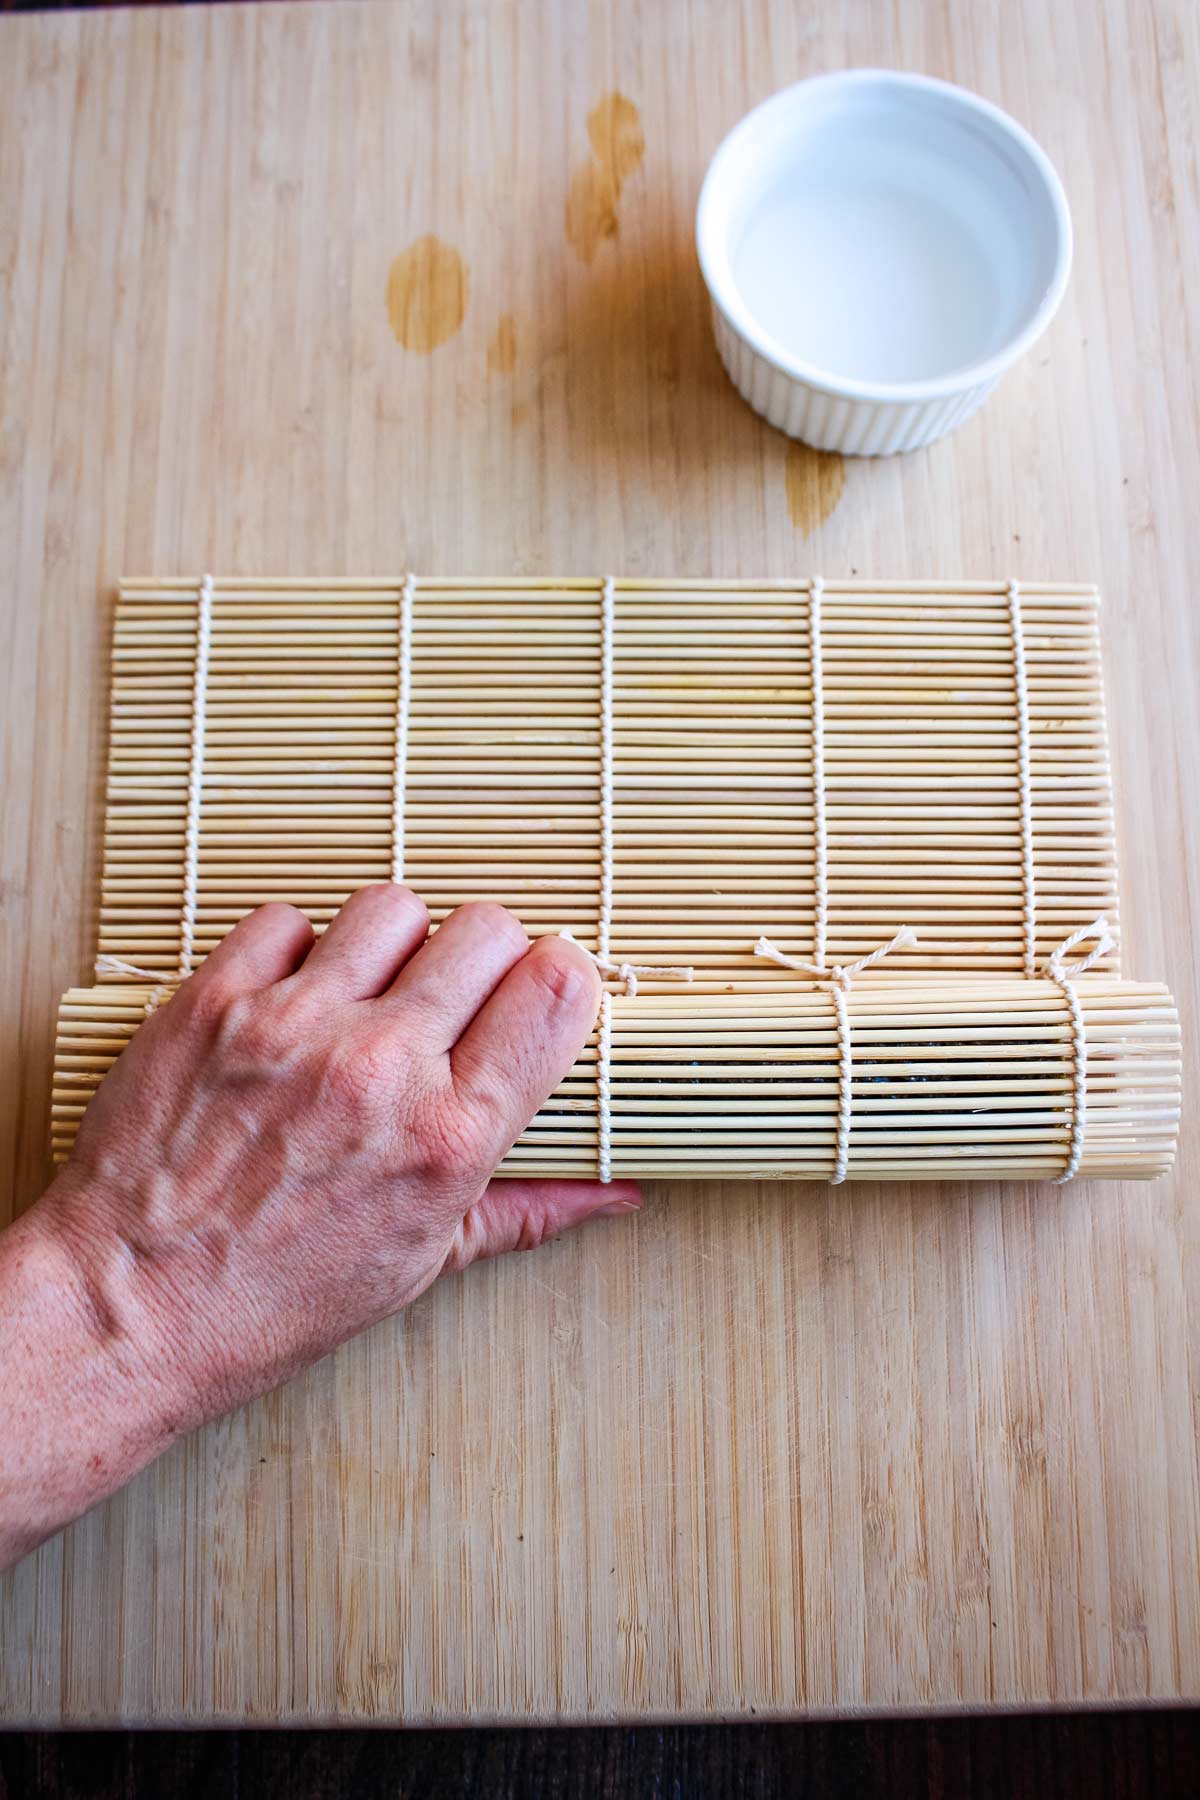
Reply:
x=296, y=1146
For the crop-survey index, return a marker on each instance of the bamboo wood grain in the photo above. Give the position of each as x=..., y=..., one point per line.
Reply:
x=770, y=1448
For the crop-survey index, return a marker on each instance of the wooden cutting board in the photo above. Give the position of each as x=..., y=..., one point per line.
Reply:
x=350, y=288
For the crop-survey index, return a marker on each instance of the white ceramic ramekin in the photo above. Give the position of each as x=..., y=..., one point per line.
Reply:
x=879, y=248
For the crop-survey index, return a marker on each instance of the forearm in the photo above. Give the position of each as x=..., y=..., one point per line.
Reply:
x=81, y=1409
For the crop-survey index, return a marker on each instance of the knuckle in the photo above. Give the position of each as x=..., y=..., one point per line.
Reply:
x=451, y=1140
x=481, y=1233
x=534, y=1228
x=250, y=1029
x=206, y=999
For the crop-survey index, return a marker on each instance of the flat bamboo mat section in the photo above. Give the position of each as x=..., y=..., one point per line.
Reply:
x=713, y=762
x=952, y=1077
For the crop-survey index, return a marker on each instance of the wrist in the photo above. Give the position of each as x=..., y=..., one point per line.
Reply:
x=108, y=1294
x=171, y=1302
x=85, y=1401
x=67, y=1433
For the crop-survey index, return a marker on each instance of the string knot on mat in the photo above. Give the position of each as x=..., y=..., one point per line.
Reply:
x=115, y=965
x=842, y=974
x=1064, y=974
x=839, y=980
x=629, y=972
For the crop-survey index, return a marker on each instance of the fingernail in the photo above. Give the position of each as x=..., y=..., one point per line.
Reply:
x=617, y=1209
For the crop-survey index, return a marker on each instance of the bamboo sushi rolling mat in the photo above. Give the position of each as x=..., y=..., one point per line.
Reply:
x=771, y=1448
x=668, y=769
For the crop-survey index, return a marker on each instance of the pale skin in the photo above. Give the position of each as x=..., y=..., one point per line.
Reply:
x=293, y=1148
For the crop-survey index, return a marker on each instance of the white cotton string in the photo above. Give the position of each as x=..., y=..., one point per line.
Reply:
x=841, y=1160
x=191, y=842
x=608, y=607
x=842, y=973
x=629, y=972
x=603, y=924
x=1065, y=976
x=604, y=1090
x=607, y=650
x=839, y=980
x=115, y=965
x=403, y=714
x=820, y=832
x=1024, y=766
x=601, y=956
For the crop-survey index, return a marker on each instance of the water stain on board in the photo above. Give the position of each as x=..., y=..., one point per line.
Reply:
x=618, y=145
x=426, y=294
x=502, y=351
x=814, y=480
x=617, y=140
x=591, y=211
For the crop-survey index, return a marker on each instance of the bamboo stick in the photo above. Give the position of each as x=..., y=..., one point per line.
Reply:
x=712, y=718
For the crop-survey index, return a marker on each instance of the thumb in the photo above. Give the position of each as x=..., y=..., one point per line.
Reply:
x=521, y=1215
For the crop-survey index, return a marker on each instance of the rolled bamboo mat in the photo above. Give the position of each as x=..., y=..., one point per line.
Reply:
x=951, y=1078
x=817, y=762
